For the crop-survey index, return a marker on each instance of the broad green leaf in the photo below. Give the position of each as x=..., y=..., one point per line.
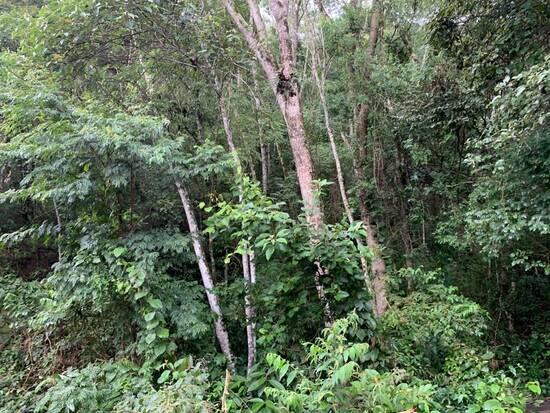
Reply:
x=492, y=405
x=163, y=332
x=164, y=376
x=119, y=251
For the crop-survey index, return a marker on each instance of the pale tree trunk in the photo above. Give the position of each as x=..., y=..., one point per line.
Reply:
x=204, y=269
x=284, y=84
x=249, y=267
x=320, y=82
x=264, y=155
x=322, y=9
x=213, y=301
x=247, y=262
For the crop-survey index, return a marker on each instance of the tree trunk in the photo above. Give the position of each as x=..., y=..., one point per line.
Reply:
x=249, y=268
x=378, y=267
x=204, y=269
x=322, y=9
x=320, y=81
x=247, y=262
x=264, y=156
x=213, y=301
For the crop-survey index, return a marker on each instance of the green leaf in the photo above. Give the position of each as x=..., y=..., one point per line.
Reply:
x=269, y=252
x=257, y=384
x=118, y=251
x=283, y=370
x=150, y=338
x=163, y=332
x=149, y=316
x=257, y=404
x=164, y=376
x=341, y=295
x=534, y=387
x=276, y=384
x=160, y=349
x=290, y=378
x=140, y=294
x=491, y=405
x=155, y=303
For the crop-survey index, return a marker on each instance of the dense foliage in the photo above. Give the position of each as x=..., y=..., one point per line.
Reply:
x=274, y=206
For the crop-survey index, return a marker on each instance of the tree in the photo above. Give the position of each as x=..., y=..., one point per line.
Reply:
x=284, y=84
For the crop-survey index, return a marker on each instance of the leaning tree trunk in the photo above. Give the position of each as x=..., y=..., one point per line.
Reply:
x=205, y=271
x=213, y=301
x=248, y=263
x=320, y=82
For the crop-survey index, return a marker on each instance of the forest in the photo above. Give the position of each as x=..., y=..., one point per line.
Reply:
x=307, y=206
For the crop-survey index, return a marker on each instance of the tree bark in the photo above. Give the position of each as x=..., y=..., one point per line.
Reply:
x=213, y=301
x=374, y=26
x=249, y=267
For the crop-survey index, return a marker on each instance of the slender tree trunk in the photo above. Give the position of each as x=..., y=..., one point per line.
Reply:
x=378, y=267
x=249, y=312
x=213, y=301
x=204, y=269
x=320, y=82
x=322, y=9
x=247, y=262
x=59, y=228
x=264, y=156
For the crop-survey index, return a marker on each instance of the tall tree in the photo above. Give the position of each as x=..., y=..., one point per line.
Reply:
x=378, y=266
x=284, y=84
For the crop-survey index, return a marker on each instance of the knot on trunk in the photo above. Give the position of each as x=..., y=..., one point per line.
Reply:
x=287, y=84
